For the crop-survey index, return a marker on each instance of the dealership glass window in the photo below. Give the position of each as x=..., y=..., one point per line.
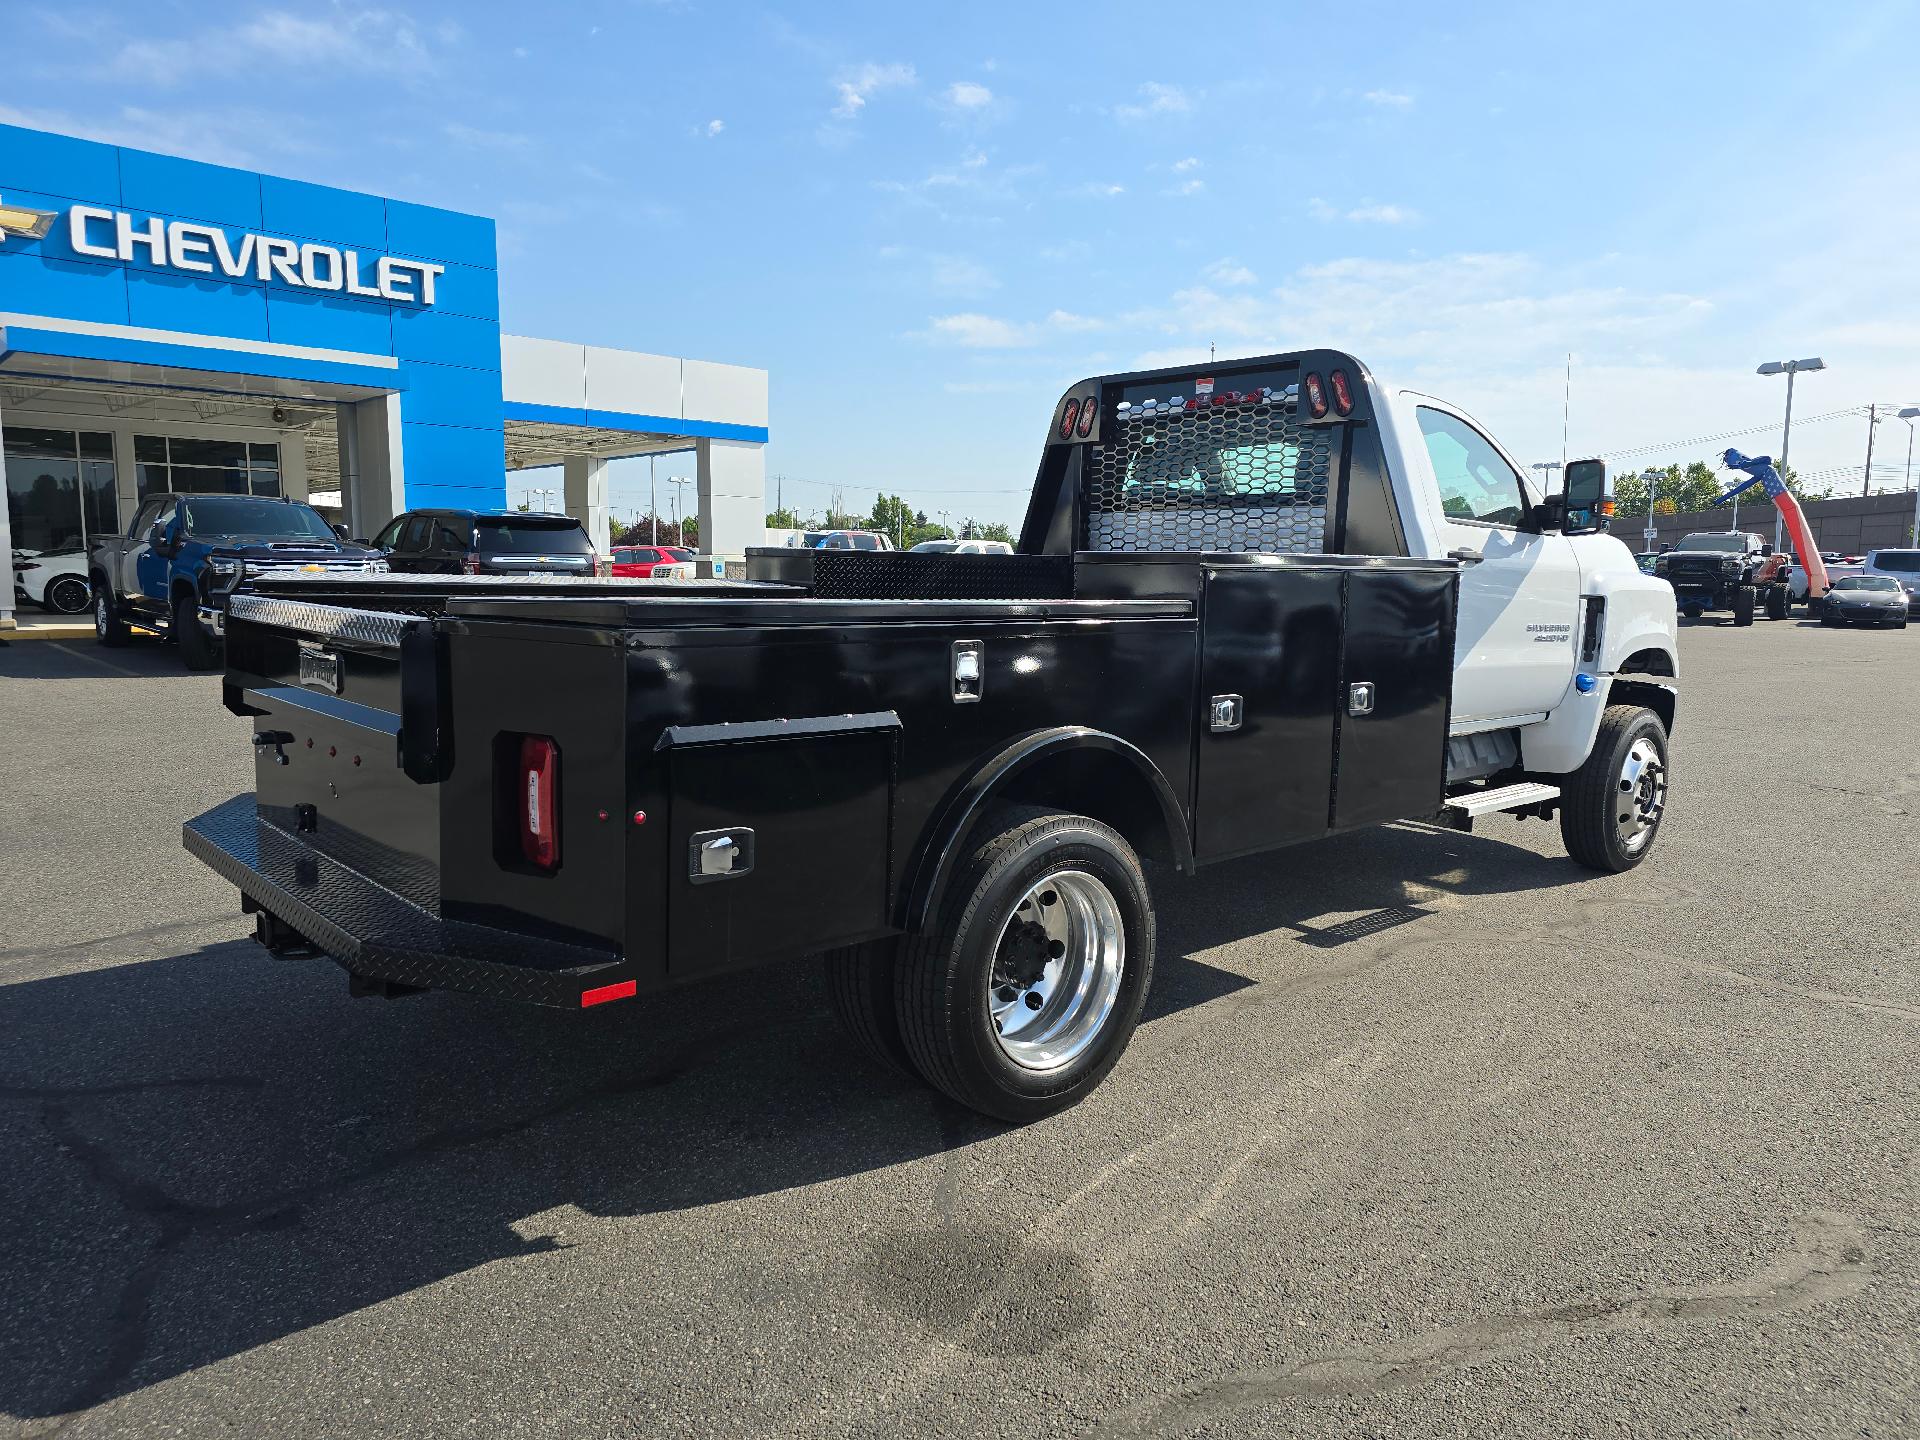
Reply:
x=189, y=465
x=60, y=491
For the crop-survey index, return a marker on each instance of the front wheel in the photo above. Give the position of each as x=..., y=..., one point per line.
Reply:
x=197, y=648
x=1611, y=810
x=1028, y=990
x=1776, y=602
x=1743, y=598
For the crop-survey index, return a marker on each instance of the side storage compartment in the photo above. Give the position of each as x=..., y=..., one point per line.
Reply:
x=1396, y=691
x=781, y=838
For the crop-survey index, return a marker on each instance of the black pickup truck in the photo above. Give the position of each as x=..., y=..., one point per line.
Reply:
x=940, y=771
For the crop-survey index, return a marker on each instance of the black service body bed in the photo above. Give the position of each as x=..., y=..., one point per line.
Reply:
x=1208, y=705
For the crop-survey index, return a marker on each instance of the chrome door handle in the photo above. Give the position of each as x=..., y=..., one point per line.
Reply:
x=1466, y=556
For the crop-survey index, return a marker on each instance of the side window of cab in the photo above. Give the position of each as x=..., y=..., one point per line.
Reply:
x=1477, y=485
x=390, y=537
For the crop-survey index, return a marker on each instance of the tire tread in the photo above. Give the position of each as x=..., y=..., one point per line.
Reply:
x=1585, y=821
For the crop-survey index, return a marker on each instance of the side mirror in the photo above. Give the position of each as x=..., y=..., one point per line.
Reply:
x=341, y=531
x=157, y=538
x=1587, y=504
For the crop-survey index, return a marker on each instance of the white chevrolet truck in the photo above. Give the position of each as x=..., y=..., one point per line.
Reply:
x=1255, y=604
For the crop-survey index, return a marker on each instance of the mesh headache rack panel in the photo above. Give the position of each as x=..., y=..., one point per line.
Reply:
x=1229, y=470
x=931, y=575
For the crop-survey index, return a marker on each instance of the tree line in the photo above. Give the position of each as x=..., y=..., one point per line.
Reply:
x=1681, y=490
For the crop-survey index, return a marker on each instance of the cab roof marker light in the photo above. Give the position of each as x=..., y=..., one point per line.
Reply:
x=1316, y=394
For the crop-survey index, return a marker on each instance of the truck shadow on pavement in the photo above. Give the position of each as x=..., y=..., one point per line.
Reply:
x=206, y=1152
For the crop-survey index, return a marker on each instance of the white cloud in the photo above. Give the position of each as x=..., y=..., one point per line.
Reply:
x=1156, y=98
x=857, y=86
x=1100, y=189
x=989, y=332
x=502, y=142
x=1181, y=167
x=715, y=127
x=980, y=332
x=364, y=40
x=1187, y=187
x=1365, y=214
x=1390, y=99
x=959, y=274
x=1229, y=272
x=967, y=95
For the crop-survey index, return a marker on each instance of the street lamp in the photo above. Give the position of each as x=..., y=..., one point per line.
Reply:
x=1789, y=368
x=1909, y=413
x=1545, y=466
x=1651, y=476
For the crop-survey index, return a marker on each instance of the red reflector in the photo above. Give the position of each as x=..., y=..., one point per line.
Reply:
x=1085, y=427
x=621, y=991
x=1316, y=396
x=1067, y=418
x=1342, y=395
x=539, y=801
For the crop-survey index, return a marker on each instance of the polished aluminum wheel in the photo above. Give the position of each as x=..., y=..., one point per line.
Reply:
x=1643, y=795
x=1056, y=970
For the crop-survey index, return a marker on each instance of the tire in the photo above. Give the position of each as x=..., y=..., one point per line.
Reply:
x=1743, y=598
x=197, y=649
x=860, y=985
x=1085, y=905
x=108, y=628
x=1776, y=602
x=69, y=595
x=1693, y=612
x=1590, y=806
x=1829, y=622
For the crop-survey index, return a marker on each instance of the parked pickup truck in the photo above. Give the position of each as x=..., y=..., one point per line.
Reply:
x=1727, y=570
x=1253, y=605
x=183, y=555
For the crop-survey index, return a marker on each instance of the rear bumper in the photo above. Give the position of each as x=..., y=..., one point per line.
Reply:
x=376, y=934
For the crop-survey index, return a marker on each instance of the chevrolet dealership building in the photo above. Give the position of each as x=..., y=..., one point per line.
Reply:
x=169, y=325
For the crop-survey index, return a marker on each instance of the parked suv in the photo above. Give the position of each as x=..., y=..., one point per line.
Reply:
x=454, y=542
x=1725, y=570
x=1903, y=568
x=185, y=554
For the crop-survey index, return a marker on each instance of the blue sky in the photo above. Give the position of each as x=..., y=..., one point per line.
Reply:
x=924, y=221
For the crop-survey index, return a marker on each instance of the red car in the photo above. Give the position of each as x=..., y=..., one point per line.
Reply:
x=637, y=562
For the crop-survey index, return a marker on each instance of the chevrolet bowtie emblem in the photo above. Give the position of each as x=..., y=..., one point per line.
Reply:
x=19, y=220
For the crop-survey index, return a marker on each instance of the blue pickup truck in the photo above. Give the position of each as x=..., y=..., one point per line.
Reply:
x=184, y=554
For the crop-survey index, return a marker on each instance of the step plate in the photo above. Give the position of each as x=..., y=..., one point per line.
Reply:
x=1507, y=797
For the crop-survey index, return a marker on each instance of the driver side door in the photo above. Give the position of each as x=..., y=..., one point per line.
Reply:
x=145, y=575
x=1519, y=588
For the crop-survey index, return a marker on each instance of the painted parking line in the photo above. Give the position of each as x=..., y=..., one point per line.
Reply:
x=67, y=649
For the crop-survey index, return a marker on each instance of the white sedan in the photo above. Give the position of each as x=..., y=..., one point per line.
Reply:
x=56, y=580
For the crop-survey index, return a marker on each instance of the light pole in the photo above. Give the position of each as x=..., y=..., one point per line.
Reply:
x=1789, y=368
x=1544, y=467
x=1910, y=413
x=679, y=483
x=543, y=493
x=1651, y=476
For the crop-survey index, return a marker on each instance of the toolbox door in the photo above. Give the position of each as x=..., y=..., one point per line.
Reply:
x=1396, y=685
x=780, y=838
x=1270, y=661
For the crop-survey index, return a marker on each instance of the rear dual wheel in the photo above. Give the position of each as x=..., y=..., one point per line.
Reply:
x=1026, y=991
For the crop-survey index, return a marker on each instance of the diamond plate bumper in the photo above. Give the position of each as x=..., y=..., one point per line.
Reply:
x=374, y=933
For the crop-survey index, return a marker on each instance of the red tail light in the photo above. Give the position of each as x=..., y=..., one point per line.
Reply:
x=1085, y=427
x=470, y=564
x=539, y=801
x=1316, y=396
x=1067, y=419
x=1342, y=394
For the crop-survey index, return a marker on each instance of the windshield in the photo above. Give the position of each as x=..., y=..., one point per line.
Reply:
x=1865, y=582
x=1901, y=562
x=1733, y=544
x=237, y=515
x=530, y=535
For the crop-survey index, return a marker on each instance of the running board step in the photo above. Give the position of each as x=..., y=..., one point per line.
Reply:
x=1507, y=797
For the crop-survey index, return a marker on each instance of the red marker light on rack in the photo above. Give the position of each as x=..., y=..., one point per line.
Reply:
x=1342, y=393
x=1316, y=394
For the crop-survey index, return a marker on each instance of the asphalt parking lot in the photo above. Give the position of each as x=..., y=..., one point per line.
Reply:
x=1425, y=1135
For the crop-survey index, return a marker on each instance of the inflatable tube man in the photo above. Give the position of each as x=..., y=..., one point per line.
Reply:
x=1760, y=471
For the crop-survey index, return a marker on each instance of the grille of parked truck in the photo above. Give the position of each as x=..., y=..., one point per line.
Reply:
x=1253, y=604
